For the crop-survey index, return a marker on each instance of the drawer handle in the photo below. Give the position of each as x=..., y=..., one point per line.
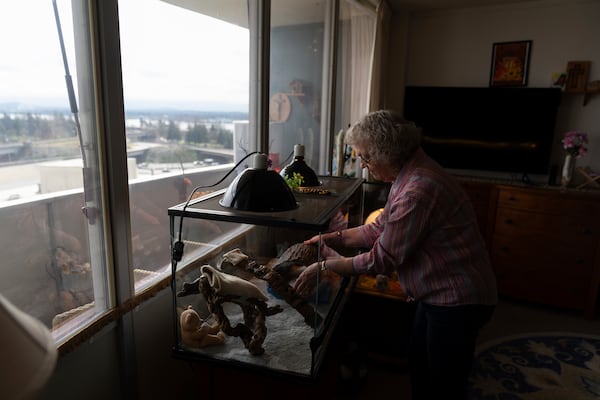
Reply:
x=511, y=198
x=508, y=221
x=504, y=249
x=580, y=260
x=587, y=231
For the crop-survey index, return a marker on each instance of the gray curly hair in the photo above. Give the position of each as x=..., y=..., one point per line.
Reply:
x=386, y=137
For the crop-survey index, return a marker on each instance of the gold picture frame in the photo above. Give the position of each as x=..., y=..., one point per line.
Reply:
x=510, y=63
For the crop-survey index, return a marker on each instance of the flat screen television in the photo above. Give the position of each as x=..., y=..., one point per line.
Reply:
x=486, y=129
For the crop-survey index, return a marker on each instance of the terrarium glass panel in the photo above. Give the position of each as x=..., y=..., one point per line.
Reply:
x=233, y=289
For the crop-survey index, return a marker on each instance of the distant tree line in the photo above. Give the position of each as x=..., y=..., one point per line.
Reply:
x=199, y=133
x=186, y=115
x=196, y=133
x=32, y=127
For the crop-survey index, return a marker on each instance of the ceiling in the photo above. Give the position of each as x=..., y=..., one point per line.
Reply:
x=448, y=4
x=285, y=12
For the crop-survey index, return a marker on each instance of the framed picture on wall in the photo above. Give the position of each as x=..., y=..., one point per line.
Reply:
x=510, y=63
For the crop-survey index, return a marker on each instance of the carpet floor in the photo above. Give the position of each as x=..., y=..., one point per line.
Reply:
x=387, y=380
x=553, y=365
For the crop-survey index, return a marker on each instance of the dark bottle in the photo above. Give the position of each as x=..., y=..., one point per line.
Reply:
x=299, y=166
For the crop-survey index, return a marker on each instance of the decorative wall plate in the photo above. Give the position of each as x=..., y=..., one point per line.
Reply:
x=280, y=107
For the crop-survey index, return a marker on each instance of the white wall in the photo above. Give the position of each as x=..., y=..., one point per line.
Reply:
x=93, y=370
x=454, y=48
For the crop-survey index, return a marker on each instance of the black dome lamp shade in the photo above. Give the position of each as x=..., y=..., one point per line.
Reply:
x=259, y=189
x=299, y=166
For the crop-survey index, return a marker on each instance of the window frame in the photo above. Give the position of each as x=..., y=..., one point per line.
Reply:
x=107, y=84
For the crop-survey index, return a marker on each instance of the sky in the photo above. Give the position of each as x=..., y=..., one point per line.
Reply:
x=171, y=57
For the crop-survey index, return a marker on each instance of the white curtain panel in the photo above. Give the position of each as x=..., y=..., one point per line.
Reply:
x=358, y=39
x=378, y=73
x=357, y=43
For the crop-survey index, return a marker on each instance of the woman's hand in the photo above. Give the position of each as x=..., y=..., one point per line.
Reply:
x=325, y=250
x=313, y=240
x=306, y=281
x=328, y=252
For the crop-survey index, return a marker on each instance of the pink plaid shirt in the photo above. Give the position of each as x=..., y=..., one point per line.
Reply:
x=428, y=234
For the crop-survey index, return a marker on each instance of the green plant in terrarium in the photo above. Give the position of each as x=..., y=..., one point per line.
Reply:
x=295, y=180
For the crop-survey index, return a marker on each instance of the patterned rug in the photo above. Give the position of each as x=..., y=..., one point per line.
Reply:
x=549, y=366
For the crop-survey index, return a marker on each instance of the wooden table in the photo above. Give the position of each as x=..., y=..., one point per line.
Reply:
x=380, y=321
x=367, y=284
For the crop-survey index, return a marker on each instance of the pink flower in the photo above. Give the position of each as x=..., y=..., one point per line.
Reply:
x=575, y=143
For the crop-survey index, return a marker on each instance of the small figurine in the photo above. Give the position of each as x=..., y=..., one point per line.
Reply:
x=382, y=282
x=197, y=333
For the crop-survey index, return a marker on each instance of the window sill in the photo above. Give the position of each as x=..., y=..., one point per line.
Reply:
x=82, y=323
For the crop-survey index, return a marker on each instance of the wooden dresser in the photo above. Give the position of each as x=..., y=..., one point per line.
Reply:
x=484, y=197
x=546, y=246
x=544, y=243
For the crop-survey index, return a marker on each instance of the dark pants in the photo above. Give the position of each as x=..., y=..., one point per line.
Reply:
x=442, y=347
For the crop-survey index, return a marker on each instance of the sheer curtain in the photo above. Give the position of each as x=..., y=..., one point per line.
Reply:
x=357, y=36
x=363, y=56
x=379, y=72
x=355, y=58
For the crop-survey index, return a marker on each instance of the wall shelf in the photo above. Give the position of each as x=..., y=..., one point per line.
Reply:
x=591, y=89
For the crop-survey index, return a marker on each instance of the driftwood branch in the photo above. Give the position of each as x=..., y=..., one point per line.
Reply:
x=286, y=292
x=253, y=331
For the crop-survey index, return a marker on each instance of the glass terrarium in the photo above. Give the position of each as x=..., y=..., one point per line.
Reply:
x=232, y=282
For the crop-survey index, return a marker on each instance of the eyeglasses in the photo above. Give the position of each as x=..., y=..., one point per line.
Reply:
x=365, y=159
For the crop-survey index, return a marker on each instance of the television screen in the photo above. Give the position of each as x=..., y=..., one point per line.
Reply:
x=486, y=129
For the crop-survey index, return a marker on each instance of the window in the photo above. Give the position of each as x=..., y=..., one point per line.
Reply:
x=169, y=104
x=298, y=42
x=186, y=91
x=53, y=255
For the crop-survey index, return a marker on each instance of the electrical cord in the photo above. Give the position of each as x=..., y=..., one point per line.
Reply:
x=284, y=162
x=178, y=245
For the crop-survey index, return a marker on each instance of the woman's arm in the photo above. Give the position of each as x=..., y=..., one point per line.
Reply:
x=345, y=238
x=305, y=284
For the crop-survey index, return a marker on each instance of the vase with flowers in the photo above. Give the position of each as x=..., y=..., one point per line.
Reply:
x=575, y=143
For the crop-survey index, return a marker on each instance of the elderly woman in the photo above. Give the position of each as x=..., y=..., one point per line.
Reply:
x=429, y=235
